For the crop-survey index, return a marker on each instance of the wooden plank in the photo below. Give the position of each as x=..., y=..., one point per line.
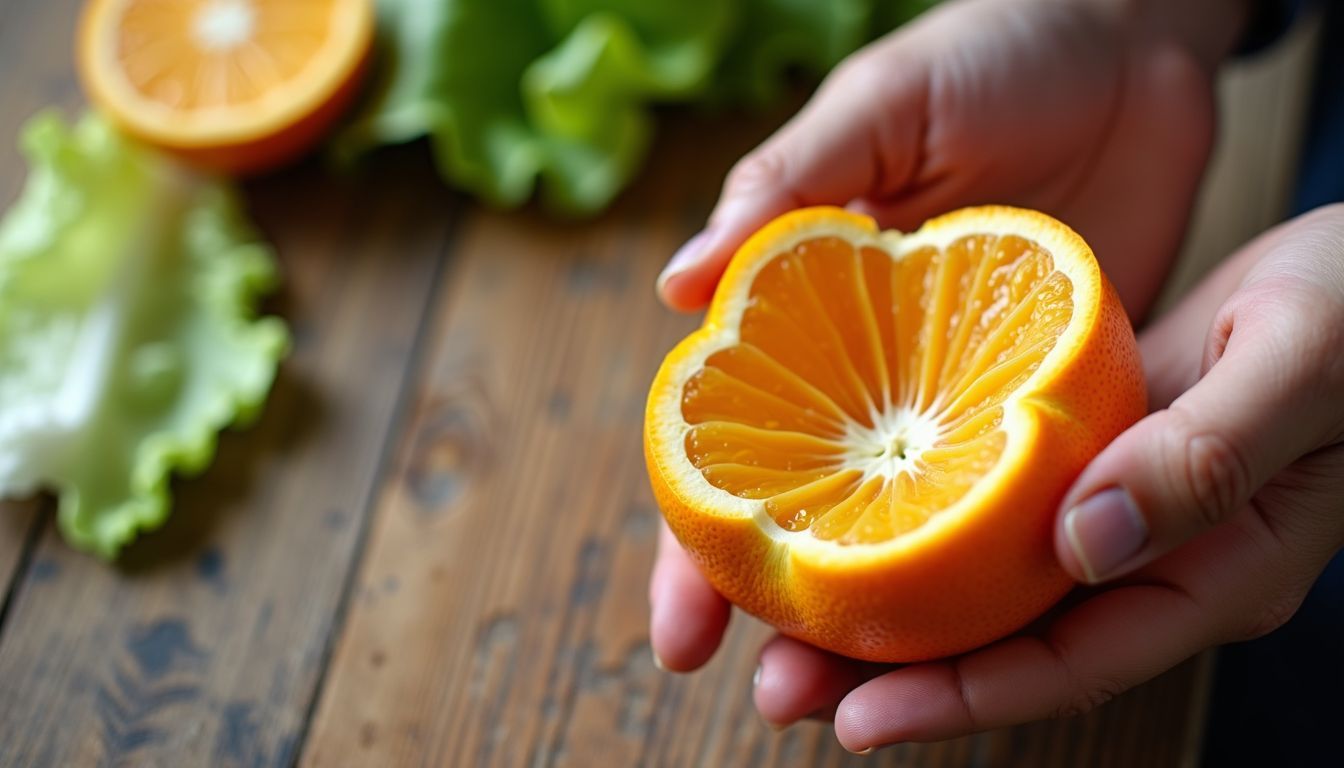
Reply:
x=206, y=643
x=500, y=615
x=518, y=492
x=18, y=532
x=35, y=76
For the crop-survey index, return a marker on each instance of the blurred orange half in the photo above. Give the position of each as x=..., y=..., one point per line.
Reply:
x=234, y=85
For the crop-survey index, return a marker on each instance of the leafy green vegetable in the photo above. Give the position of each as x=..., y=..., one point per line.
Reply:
x=128, y=335
x=512, y=91
x=808, y=35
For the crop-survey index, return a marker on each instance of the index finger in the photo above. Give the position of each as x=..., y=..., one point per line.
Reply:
x=688, y=617
x=858, y=137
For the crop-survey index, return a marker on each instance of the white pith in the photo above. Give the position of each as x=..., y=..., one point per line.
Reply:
x=221, y=25
x=892, y=445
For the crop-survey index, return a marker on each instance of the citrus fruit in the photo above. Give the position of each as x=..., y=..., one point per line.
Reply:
x=866, y=442
x=234, y=85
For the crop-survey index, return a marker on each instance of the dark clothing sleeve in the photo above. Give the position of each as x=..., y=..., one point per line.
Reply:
x=1269, y=20
x=1321, y=164
x=1321, y=170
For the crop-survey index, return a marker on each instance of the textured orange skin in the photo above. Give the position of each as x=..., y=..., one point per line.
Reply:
x=246, y=155
x=990, y=576
x=268, y=153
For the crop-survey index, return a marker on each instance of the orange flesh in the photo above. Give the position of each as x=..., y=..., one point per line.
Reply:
x=866, y=393
x=193, y=54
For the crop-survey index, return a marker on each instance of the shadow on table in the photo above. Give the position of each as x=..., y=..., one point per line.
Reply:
x=201, y=504
x=322, y=242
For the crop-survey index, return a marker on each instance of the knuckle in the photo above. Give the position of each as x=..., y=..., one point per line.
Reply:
x=1273, y=613
x=762, y=169
x=1090, y=697
x=1210, y=473
x=879, y=77
x=1270, y=618
x=863, y=71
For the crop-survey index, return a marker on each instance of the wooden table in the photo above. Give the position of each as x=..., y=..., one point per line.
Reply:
x=433, y=547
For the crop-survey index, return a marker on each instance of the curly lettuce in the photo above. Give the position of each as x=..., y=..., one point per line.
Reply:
x=129, y=333
x=516, y=94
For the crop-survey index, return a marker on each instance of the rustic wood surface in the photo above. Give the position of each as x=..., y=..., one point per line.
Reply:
x=433, y=547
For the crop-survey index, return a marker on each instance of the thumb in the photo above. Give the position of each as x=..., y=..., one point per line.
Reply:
x=859, y=135
x=1191, y=466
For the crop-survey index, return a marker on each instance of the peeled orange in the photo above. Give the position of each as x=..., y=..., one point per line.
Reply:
x=235, y=85
x=866, y=441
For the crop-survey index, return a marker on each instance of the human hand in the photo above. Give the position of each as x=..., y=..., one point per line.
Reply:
x=1206, y=522
x=1099, y=112
x=947, y=112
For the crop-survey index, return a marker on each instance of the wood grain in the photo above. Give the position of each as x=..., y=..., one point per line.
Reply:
x=482, y=623
x=205, y=643
x=34, y=75
x=18, y=530
x=500, y=615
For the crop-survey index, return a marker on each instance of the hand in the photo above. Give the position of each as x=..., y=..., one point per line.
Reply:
x=1099, y=112
x=1207, y=521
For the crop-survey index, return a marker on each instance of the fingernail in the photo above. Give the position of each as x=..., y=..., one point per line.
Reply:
x=658, y=662
x=1105, y=531
x=685, y=257
x=756, y=677
x=862, y=752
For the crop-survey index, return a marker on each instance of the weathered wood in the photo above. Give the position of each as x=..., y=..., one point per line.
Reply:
x=205, y=644
x=34, y=75
x=500, y=614
x=17, y=531
x=484, y=613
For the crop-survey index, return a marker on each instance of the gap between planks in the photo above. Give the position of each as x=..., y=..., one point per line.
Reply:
x=400, y=426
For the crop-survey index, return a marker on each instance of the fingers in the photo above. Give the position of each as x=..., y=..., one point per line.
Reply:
x=1265, y=400
x=1108, y=644
x=796, y=680
x=1185, y=469
x=1234, y=583
x=688, y=616
x=1173, y=345
x=859, y=135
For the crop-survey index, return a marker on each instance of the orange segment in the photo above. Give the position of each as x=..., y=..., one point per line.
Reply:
x=987, y=316
x=872, y=431
x=238, y=85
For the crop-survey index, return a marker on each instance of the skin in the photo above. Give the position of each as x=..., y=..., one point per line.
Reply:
x=1237, y=471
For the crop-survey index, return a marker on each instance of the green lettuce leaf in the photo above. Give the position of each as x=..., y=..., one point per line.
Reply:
x=513, y=92
x=810, y=36
x=128, y=328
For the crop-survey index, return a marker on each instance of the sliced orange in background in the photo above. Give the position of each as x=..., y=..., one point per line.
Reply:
x=234, y=85
x=866, y=442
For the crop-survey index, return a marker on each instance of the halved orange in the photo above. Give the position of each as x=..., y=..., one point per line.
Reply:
x=866, y=442
x=234, y=85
